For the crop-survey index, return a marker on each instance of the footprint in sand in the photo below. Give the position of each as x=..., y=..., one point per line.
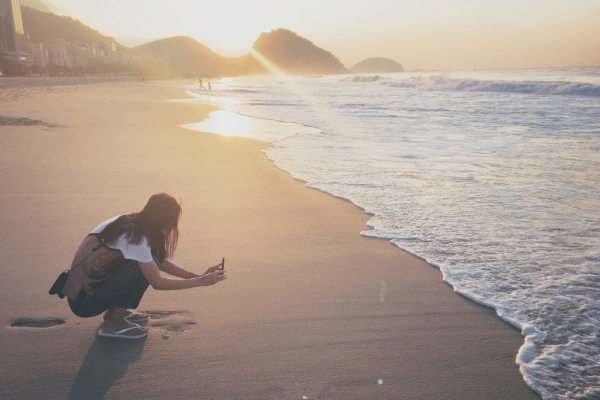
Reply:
x=12, y=121
x=163, y=314
x=170, y=321
x=174, y=326
x=37, y=322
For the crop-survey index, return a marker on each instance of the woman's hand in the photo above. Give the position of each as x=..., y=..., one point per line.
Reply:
x=218, y=267
x=211, y=278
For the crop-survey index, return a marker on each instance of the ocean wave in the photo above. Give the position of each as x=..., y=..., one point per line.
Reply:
x=241, y=91
x=445, y=83
x=362, y=78
x=272, y=103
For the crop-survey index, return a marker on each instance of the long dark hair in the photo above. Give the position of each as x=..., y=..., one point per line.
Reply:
x=161, y=212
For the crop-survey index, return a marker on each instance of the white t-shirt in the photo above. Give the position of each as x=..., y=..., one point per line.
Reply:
x=138, y=252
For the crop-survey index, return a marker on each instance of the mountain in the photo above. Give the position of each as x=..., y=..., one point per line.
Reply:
x=294, y=54
x=284, y=49
x=377, y=65
x=46, y=26
x=181, y=54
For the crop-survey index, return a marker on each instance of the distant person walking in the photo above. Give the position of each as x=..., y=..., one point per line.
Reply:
x=200, y=86
x=209, y=87
x=119, y=258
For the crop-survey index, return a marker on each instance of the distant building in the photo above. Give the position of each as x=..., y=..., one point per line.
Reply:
x=79, y=55
x=58, y=52
x=109, y=52
x=13, y=43
x=107, y=46
x=41, y=58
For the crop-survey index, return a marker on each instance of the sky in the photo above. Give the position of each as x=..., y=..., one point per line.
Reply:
x=419, y=34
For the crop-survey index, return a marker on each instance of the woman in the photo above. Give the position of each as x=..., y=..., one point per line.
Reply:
x=120, y=257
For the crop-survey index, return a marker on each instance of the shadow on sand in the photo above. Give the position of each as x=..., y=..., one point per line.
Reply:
x=105, y=363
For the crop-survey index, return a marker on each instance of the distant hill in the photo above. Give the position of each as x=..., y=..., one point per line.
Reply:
x=283, y=48
x=45, y=26
x=182, y=54
x=296, y=55
x=377, y=65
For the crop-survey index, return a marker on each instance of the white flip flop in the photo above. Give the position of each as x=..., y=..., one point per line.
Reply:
x=133, y=314
x=120, y=334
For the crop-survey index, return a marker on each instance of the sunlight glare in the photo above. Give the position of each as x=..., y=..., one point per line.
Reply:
x=272, y=68
x=227, y=123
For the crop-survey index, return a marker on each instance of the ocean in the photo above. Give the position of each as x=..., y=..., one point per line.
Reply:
x=491, y=176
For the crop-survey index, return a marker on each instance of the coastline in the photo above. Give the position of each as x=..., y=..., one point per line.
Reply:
x=311, y=308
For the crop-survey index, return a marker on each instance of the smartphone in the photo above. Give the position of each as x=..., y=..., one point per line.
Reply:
x=223, y=263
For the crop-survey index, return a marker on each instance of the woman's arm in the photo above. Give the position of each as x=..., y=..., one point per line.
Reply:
x=173, y=269
x=152, y=274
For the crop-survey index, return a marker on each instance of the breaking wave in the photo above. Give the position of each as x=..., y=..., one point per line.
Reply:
x=362, y=78
x=445, y=83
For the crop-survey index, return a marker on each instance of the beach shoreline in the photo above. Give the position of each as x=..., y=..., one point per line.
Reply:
x=311, y=308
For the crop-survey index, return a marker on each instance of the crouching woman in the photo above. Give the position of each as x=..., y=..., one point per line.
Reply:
x=119, y=259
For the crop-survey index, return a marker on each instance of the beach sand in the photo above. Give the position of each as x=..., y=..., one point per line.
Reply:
x=310, y=309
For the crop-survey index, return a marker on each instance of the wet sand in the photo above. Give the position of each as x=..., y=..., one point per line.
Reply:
x=310, y=310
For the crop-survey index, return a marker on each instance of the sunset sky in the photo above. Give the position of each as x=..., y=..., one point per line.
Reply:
x=429, y=34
